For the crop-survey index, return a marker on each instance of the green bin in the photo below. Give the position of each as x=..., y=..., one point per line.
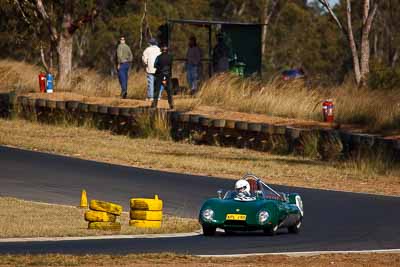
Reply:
x=238, y=68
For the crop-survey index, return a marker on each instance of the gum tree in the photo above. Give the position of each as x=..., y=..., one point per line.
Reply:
x=61, y=21
x=360, y=49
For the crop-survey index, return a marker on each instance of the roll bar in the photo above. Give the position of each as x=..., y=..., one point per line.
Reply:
x=260, y=181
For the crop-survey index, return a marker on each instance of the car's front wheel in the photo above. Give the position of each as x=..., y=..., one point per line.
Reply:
x=295, y=229
x=208, y=230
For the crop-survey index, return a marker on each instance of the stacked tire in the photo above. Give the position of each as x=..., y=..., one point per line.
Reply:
x=146, y=212
x=103, y=215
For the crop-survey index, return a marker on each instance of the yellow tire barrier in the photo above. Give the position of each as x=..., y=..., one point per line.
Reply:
x=115, y=226
x=146, y=204
x=145, y=224
x=146, y=215
x=99, y=216
x=106, y=206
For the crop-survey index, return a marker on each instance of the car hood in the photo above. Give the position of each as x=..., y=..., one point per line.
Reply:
x=225, y=206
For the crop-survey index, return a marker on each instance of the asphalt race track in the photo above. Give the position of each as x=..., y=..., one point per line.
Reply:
x=332, y=221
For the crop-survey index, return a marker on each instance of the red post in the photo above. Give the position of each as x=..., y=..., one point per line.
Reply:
x=327, y=111
x=42, y=82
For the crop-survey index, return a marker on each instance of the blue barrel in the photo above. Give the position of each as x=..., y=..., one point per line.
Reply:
x=50, y=83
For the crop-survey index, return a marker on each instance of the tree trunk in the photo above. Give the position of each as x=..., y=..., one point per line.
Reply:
x=264, y=28
x=265, y=19
x=64, y=51
x=43, y=58
x=365, y=55
x=368, y=18
x=375, y=51
x=394, y=58
x=353, y=46
x=64, y=48
x=360, y=62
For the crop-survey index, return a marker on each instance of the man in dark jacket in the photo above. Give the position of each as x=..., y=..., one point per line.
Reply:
x=163, y=65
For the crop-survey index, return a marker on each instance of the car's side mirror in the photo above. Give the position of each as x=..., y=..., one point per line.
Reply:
x=259, y=194
x=220, y=193
x=284, y=197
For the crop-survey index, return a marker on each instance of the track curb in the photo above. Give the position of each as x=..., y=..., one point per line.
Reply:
x=303, y=253
x=100, y=237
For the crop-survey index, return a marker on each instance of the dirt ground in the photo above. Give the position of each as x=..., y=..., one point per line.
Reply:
x=112, y=101
x=166, y=259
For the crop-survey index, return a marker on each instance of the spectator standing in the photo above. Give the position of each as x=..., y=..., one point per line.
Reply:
x=124, y=59
x=163, y=65
x=149, y=56
x=193, y=61
x=220, y=55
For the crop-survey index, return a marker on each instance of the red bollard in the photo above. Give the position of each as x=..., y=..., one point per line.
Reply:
x=327, y=110
x=42, y=82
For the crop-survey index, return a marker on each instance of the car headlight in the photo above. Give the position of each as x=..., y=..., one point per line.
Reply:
x=263, y=216
x=207, y=214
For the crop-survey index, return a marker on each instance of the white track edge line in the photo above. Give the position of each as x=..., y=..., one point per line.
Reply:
x=305, y=253
x=101, y=237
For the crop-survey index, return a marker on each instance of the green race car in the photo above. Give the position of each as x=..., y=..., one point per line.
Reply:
x=260, y=208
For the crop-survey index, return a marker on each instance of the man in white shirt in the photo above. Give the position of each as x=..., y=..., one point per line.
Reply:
x=149, y=56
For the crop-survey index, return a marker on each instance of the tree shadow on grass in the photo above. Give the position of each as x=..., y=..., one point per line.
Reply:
x=292, y=161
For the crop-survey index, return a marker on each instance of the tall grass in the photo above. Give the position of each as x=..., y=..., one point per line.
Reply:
x=153, y=125
x=250, y=95
x=372, y=163
x=23, y=77
x=373, y=109
x=378, y=110
x=18, y=76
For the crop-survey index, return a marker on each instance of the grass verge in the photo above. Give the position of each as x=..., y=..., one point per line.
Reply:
x=167, y=155
x=295, y=100
x=20, y=218
x=362, y=107
x=169, y=259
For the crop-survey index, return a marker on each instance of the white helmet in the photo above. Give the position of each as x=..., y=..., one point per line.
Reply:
x=242, y=184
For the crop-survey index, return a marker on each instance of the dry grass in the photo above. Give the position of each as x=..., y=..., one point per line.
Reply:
x=19, y=218
x=90, y=83
x=249, y=95
x=153, y=125
x=295, y=100
x=185, y=158
x=18, y=76
x=23, y=77
x=169, y=259
x=274, y=98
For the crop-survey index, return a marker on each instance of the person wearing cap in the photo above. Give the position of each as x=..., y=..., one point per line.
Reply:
x=163, y=65
x=193, y=63
x=149, y=56
x=124, y=59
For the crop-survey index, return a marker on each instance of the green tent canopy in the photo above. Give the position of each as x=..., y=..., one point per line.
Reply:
x=243, y=40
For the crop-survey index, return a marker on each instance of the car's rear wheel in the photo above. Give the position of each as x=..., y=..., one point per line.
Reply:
x=208, y=230
x=271, y=231
x=295, y=229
